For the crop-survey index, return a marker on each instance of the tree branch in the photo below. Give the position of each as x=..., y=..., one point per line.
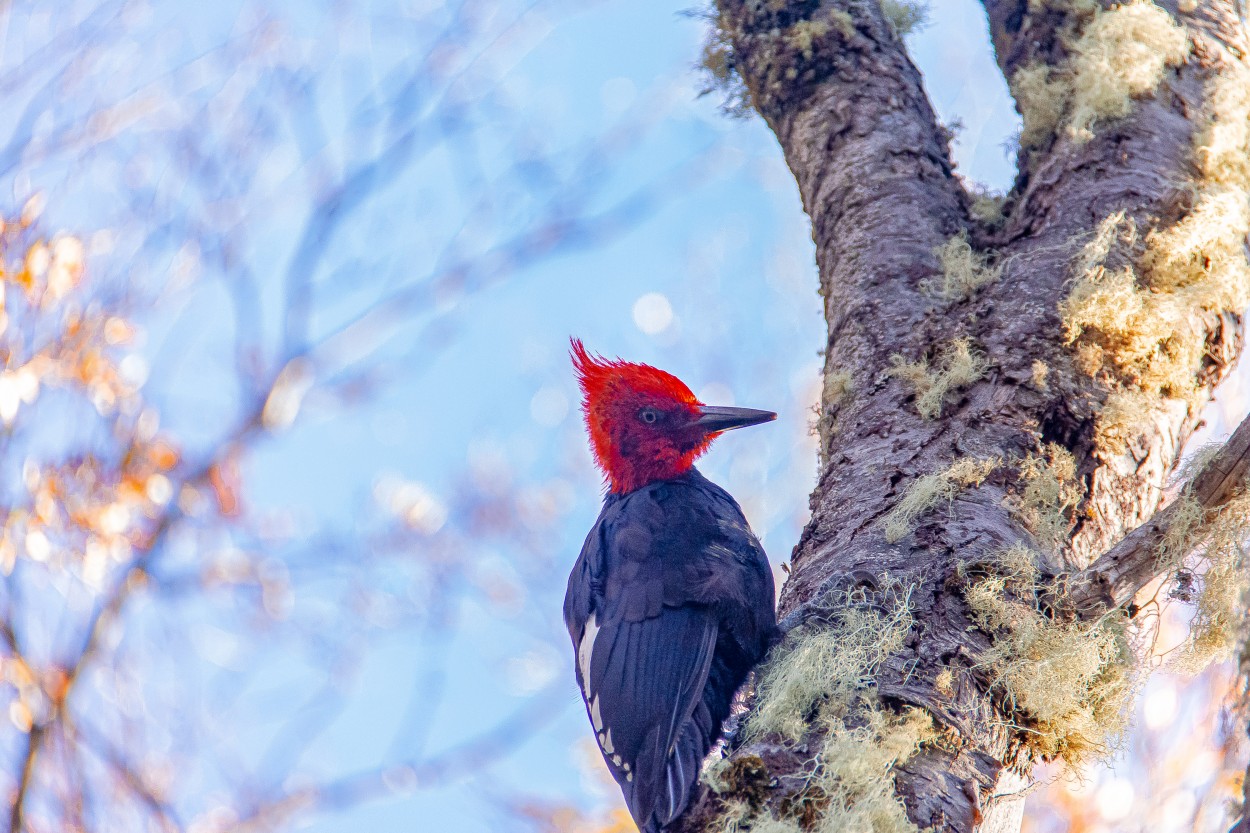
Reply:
x=1115, y=577
x=467, y=757
x=130, y=578
x=864, y=145
x=128, y=774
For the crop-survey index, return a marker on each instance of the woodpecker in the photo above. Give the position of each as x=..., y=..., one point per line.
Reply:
x=670, y=604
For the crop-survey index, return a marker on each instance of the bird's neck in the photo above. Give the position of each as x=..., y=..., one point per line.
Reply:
x=628, y=475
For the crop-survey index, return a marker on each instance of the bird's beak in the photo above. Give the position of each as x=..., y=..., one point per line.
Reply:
x=713, y=419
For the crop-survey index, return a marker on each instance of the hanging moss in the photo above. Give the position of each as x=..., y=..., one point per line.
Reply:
x=819, y=685
x=1064, y=685
x=1133, y=308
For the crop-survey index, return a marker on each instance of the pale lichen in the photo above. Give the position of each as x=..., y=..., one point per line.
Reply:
x=720, y=70
x=1116, y=55
x=1136, y=305
x=820, y=684
x=826, y=667
x=1122, y=417
x=1121, y=55
x=1196, y=258
x=838, y=388
x=855, y=766
x=804, y=34
x=843, y=21
x=1195, y=461
x=1186, y=529
x=987, y=206
x=735, y=816
x=1064, y=685
x=1049, y=495
x=774, y=55
x=929, y=490
x=836, y=393
x=964, y=270
x=958, y=365
x=1223, y=141
x=1041, y=95
x=1208, y=545
x=905, y=16
x=1219, y=613
x=1039, y=373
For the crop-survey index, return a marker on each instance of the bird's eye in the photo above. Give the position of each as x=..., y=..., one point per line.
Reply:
x=649, y=416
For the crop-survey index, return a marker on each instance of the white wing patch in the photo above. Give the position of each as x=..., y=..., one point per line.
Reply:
x=585, y=655
x=585, y=650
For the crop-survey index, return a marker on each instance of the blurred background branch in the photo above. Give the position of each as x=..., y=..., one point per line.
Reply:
x=173, y=652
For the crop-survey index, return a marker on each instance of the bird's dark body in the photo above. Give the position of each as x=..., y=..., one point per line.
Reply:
x=669, y=606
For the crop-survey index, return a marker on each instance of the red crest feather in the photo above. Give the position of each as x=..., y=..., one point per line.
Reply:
x=613, y=392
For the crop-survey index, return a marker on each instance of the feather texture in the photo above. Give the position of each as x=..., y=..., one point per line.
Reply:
x=669, y=606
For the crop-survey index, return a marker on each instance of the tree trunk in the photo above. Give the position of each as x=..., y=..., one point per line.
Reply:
x=1028, y=391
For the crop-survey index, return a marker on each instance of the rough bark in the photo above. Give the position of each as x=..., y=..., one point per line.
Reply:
x=834, y=83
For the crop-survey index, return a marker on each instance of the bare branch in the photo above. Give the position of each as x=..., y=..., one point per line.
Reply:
x=130, y=578
x=34, y=742
x=127, y=773
x=459, y=761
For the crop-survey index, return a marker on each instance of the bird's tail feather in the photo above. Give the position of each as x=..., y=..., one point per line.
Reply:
x=681, y=773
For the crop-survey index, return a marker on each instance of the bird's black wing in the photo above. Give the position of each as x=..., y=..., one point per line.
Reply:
x=644, y=611
x=646, y=680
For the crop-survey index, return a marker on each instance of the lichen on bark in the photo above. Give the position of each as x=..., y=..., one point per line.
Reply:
x=1118, y=268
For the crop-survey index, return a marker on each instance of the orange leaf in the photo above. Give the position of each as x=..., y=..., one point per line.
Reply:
x=163, y=455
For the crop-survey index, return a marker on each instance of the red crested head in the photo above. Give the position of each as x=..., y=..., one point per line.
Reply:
x=645, y=424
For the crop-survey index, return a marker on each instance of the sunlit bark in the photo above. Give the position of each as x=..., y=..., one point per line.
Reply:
x=1010, y=367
